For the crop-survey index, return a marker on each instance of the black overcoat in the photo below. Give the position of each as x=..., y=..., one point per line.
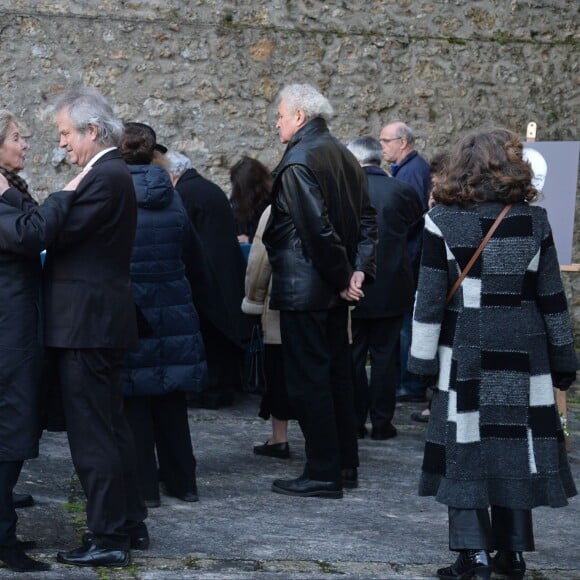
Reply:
x=219, y=298
x=22, y=237
x=398, y=207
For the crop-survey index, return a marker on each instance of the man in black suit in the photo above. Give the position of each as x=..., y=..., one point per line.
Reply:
x=378, y=317
x=89, y=323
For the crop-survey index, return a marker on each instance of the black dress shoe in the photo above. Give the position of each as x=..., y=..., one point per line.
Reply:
x=139, y=541
x=92, y=555
x=15, y=559
x=349, y=478
x=188, y=496
x=22, y=500
x=277, y=450
x=152, y=503
x=510, y=564
x=420, y=417
x=26, y=544
x=304, y=487
x=469, y=563
x=381, y=434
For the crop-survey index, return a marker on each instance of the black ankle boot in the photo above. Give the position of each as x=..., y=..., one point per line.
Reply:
x=469, y=564
x=510, y=564
x=17, y=560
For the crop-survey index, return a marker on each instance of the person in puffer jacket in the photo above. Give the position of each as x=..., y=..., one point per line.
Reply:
x=169, y=359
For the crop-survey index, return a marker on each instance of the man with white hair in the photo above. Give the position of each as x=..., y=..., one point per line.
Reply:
x=321, y=240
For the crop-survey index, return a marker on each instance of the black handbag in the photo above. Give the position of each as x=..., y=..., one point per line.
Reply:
x=255, y=383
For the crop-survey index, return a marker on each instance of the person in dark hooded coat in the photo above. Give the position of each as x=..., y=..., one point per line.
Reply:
x=169, y=359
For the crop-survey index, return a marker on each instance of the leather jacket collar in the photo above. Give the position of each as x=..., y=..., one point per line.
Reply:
x=315, y=126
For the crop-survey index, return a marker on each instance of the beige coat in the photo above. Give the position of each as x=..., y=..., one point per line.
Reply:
x=258, y=285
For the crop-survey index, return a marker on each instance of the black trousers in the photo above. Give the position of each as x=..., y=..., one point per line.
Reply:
x=101, y=442
x=9, y=472
x=224, y=368
x=507, y=530
x=378, y=337
x=319, y=379
x=160, y=423
x=275, y=400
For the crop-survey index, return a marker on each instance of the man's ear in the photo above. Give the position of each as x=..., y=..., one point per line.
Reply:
x=300, y=117
x=92, y=131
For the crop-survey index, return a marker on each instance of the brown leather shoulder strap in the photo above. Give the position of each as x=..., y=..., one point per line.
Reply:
x=467, y=268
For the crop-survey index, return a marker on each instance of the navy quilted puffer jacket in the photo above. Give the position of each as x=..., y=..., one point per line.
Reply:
x=171, y=356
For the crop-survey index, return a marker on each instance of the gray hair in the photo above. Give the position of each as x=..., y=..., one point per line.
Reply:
x=176, y=163
x=367, y=150
x=6, y=119
x=86, y=106
x=403, y=131
x=308, y=99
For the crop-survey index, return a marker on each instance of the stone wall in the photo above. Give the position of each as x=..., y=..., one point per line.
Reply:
x=204, y=74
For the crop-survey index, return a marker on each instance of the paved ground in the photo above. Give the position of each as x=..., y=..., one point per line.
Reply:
x=240, y=529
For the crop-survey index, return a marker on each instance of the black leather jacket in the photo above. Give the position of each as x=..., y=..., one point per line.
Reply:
x=322, y=226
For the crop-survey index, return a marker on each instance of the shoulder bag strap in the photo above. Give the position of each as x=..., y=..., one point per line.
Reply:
x=477, y=253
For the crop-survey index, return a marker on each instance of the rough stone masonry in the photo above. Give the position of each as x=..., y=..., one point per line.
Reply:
x=205, y=74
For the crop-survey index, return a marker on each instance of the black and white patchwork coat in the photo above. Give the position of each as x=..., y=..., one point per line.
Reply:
x=494, y=436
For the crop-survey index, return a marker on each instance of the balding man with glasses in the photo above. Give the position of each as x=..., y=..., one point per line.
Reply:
x=397, y=141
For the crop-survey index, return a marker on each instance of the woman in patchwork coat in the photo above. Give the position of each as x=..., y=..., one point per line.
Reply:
x=498, y=349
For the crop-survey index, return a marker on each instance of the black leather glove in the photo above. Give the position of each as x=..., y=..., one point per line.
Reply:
x=563, y=381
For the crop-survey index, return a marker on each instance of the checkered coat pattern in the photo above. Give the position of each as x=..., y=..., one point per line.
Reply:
x=494, y=436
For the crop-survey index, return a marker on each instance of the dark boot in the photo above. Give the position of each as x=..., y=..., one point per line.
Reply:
x=22, y=500
x=509, y=564
x=15, y=559
x=469, y=564
x=349, y=477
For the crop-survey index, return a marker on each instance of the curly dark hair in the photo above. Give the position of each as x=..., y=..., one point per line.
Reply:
x=487, y=166
x=251, y=190
x=137, y=144
x=438, y=163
